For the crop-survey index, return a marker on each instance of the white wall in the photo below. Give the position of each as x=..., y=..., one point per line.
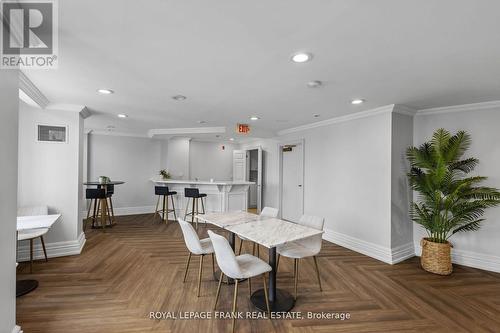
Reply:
x=347, y=166
x=481, y=248
x=51, y=174
x=130, y=159
x=8, y=197
x=208, y=160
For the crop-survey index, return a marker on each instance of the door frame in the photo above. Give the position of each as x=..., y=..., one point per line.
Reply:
x=281, y=144
x=260, y=186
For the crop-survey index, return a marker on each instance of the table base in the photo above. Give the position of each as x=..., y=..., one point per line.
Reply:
x=24, y=287
x=283, y=302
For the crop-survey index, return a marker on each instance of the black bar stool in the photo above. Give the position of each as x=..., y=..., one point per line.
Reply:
x=97, y=197
x=194, y=194
x=162, y=191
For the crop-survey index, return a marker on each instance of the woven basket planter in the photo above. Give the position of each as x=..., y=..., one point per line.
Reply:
x=436, y=257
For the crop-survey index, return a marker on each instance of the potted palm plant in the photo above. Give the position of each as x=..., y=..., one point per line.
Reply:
x=449, y=201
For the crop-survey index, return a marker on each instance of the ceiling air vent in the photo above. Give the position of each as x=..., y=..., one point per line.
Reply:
x=47, y=133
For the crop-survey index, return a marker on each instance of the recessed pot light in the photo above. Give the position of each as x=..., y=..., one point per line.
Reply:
x=179, y=97
x=357, y=101
x=301, y=57
x=314, y=84
x=254, y=118
x=122, y=115
x=231, y=139
x=105, y=91
x=316, y=115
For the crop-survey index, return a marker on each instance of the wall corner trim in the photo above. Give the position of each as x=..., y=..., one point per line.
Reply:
x=340, y=119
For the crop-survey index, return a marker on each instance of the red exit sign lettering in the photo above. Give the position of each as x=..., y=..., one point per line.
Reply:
x=243, y=128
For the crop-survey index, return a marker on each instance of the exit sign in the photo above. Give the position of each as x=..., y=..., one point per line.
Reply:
x=243, y=128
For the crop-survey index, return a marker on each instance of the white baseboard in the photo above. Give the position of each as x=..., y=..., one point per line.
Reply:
x=17, y=329
x=370, y=249
x=57, y=249
x=468, y=258
x=402, y=252
x=382, y=253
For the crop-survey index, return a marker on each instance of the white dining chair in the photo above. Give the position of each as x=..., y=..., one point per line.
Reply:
x=304, y=248
x=196, y=246
x=269, y=212
x=240, y=267
x=32, y=234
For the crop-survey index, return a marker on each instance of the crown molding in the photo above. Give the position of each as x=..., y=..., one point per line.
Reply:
x=460, y=108
x=113, y=133
x=404, y=110
x=33, y=93
x=341, y=119
x=186, y=131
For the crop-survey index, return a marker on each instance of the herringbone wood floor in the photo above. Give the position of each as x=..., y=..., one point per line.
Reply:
x=137, y=267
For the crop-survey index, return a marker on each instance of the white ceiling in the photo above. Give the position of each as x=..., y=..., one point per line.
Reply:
x=231, y=59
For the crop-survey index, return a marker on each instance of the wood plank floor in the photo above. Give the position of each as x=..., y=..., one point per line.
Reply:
x=137, y=267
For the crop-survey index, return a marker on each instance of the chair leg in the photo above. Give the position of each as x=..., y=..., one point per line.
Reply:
x=156, y=209
x=258, y=251
x=103, y=214
x=317, y=272
x=199, y=274
x=43, y=247
x=296, y=277
x=108, y=211
x=192, y=213
x=112, y=210
x=96, y=211
x=253, y=248
x=163, y=210
x=88, y=215
x=173, y=207
x=186, y=212
x=202, y=206
x=265, y=296
x=234, y=303
x=250, y=287
x=31, y=256
x=218, y=290
x=213, y=264
x=187, y=267
x=241, y=244
x=166, y=210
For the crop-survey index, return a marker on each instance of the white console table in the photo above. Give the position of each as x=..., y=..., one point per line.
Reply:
x=222, y=196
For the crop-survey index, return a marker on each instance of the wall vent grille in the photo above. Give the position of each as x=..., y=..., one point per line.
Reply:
x=48, y=133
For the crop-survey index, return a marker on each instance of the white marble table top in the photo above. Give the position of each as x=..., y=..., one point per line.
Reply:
x=273, y=232
x=226, y=219
x=36, y=221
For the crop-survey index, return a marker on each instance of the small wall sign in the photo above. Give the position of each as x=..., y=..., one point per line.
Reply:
x=243, y=128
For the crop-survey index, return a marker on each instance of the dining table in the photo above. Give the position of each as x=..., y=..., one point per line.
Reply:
x=270, y=233
x=104, y=205
x=28, y=223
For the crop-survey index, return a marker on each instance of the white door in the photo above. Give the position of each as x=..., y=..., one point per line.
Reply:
x=292, y=189
x=239, y=165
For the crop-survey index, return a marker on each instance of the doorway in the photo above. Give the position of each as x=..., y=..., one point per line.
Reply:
x=250, y=170
x=291, y=180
